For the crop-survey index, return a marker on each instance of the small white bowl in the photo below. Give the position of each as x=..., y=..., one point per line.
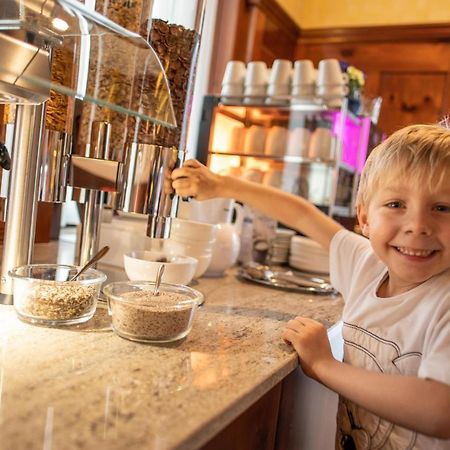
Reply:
x=190, y=229
x=144, y=265
x=194, y=250
x=203, y=263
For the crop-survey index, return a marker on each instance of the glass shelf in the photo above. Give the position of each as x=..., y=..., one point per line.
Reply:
x=238, y=110
x=285, y=158
x=104, y=63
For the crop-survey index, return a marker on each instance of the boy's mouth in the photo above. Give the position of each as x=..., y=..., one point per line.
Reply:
x=419, y=253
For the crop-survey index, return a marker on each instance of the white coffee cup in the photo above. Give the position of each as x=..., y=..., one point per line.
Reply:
x=234, y=73
x=276, y=141
x=303, y=73
x=298, y=142
x=255, y=140
x=280, y=74
x=330, y=72
x=256, y=74
x=320, y=144
x=236, y=139
x=254, y=94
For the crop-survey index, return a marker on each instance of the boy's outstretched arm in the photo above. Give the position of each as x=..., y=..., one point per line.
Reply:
x=418, y=404
x=194, y=179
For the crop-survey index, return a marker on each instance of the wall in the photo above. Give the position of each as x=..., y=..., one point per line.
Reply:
x=344, y=13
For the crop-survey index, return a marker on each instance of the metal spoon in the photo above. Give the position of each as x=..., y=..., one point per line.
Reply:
x=158, y=279
x=100, y=254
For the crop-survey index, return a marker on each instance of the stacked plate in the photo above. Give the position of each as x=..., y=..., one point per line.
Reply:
x=308, y=255
x=281, y=245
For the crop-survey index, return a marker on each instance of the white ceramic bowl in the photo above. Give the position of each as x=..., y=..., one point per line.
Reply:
x=185, y=240
x=144, y=265
x=202, y=256
x=181, y=248
x=190, y=229
x=203, y=263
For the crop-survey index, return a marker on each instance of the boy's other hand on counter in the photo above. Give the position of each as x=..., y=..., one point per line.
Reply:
x=196, y=180
x=310, y=340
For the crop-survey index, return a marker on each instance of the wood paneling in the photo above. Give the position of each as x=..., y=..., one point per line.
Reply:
x=416, y=32
x=410, y=97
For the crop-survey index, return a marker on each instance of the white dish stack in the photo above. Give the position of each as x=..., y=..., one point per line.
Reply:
x=332, y=84
x=299, y=84
x=281, y=245
x=308, y=255
x=195, y=239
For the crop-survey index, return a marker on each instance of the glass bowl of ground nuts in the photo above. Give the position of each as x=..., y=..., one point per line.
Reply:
x=140, y=315
x=44, y=294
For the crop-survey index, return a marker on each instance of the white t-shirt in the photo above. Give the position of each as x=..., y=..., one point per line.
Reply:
x=408, y=334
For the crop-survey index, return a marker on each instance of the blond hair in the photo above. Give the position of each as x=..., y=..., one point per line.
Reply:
x=418, y=153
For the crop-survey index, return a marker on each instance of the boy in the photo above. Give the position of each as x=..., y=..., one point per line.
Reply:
x=394, y=383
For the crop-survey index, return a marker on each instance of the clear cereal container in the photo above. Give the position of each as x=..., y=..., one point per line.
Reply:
x=43, y=294
x=139, y=315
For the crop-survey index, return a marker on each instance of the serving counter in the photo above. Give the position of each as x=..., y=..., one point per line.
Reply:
x=83, y=387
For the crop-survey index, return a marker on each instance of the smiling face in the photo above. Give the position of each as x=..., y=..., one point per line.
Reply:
x=408, y=224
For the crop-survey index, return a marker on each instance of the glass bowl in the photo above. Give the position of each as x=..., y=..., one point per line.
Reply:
x=140, y=316
x=43, y=295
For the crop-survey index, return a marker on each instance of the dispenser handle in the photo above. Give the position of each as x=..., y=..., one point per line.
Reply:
x=178, y=164
x=5, y=159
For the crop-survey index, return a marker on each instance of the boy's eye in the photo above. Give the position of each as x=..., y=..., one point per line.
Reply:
x=394, y=204
x=443, y=208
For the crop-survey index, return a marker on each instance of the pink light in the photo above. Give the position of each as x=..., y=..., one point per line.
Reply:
x=355, y=139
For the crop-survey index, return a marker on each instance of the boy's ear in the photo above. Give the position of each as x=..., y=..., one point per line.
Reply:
x=363, y=220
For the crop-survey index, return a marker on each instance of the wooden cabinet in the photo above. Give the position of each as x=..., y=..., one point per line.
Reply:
x=254, y=429
x=408, y=66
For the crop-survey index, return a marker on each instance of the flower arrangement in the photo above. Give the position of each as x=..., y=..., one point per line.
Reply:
x=356, y=78
x=356, y=81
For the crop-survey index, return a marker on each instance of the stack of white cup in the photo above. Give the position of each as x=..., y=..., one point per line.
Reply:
x=303, y=82
x=192, y=238
x=278, y=89
x=331, y=83
x=233, y=82
x=255, y=82
x=276, y=141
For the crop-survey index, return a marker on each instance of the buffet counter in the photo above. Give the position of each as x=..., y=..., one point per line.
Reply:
x=83, y=387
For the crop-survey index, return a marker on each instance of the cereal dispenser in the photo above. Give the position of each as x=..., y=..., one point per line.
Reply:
x=93, y=113
x=173, y=30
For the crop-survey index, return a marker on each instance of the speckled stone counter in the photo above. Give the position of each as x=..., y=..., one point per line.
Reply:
x=86, y=388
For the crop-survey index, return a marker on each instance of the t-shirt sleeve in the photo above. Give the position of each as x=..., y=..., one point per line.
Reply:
x=435, y=362
x=347, y=251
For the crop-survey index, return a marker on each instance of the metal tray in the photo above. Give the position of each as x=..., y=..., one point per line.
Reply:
x=284, y=285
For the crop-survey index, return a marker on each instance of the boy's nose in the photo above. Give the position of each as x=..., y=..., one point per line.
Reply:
x=418, y=222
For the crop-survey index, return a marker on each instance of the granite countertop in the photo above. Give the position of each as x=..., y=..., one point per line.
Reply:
x=84, y=387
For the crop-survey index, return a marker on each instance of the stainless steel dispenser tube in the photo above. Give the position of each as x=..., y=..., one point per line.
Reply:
x=147, y=186
x=22, y=197
x=90, y=231
x=54, y=162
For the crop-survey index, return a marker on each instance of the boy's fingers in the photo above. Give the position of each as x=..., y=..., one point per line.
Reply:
x=182, y=172
x=192, y=163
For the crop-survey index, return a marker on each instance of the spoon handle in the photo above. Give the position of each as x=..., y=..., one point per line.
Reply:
x=158, y=279
x=92, y=261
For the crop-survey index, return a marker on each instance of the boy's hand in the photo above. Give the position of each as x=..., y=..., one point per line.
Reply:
x=196, y=180
x=310, y=340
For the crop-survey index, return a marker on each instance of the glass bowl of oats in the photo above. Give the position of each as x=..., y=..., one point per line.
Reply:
x=44, y=295
x=139, y=315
